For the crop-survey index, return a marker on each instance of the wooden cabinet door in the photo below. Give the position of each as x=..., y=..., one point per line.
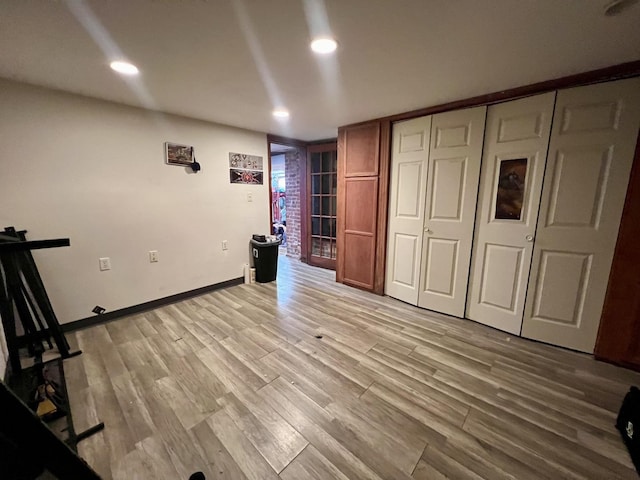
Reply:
x=358, y=240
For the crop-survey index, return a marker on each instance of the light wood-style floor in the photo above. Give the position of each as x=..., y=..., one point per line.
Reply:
x=236, y=384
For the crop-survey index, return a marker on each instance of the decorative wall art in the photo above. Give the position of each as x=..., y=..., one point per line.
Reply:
x=176, y=154
x=511, y=186
x=245, y=168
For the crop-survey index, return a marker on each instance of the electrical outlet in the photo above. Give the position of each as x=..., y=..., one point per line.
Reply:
x=153, y=256
x=225, y=245
x=249, y=197
x=105, y=264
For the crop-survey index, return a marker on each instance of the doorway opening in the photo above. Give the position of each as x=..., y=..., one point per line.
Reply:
x=303, y=181
x=278, y=194
x=287, y=167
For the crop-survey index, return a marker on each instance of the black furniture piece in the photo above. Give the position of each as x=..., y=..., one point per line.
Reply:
x=31, y=329
x=22, y=292
x=28, y=447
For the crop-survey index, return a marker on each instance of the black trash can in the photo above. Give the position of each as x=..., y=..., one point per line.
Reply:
x=265, y=260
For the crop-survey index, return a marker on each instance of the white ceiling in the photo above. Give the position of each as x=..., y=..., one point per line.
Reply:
x=233, y=61
x=278, y=148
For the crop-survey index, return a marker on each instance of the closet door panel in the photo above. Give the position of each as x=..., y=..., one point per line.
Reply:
x=513, y=165
x=410, y=149
x=454, y=168
x=360, y=193
x=590, y=157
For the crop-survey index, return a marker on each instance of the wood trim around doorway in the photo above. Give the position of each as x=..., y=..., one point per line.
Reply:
x=301, y=146
x=383, y=206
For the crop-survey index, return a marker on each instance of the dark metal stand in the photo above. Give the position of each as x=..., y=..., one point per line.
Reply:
x=30, y=323
x=22, y=291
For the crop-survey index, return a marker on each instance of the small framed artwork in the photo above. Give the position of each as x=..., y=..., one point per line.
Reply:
x=245, y=168
x=511, y=189
x=176, y=154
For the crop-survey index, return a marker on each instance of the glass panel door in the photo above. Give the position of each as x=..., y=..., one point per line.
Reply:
x=323, y=182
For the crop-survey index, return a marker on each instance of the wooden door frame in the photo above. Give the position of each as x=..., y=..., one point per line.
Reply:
x=301, y=146
x=314, y=148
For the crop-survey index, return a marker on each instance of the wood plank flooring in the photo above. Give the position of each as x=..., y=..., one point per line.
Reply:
x=309, y=379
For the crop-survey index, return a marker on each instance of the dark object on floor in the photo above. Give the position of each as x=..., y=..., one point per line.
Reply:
x=197, y=476
x=46, y=381
x=16, y=463
x=265, y=259
x=29, y=446
x=628, y=423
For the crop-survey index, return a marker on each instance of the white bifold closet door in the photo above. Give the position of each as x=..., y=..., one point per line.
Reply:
x=455, y=155
x=513, y=164
x=592, y=147
x=409, y=156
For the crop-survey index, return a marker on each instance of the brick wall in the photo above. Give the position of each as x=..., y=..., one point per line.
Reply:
x=292, y=182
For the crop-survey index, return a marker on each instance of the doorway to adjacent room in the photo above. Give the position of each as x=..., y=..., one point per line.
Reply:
x=287, y=173
x=303, y=186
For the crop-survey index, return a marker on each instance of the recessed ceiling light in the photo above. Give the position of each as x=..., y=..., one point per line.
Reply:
x=281, y=113
x=324, y=45
x=125, y=68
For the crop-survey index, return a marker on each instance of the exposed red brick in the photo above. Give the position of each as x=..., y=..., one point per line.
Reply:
x=292, y=181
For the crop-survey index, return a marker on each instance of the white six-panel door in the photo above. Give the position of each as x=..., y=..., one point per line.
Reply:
x=513, y=164
x=409, y=155
x=590, y=156
x=455, y=155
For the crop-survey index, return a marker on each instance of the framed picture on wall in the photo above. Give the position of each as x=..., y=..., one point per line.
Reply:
x=176, y=154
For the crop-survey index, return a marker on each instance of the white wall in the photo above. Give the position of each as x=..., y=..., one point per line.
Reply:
x=94, y=171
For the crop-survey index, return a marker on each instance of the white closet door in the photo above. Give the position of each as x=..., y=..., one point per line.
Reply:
x=515, y=152
x=409, y=155
x=590, y=157
x=452, y=187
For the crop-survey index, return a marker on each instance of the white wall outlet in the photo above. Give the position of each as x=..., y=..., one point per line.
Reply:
x=249, y=197
x=225, y=245
x=105, y=264
x=153, y=256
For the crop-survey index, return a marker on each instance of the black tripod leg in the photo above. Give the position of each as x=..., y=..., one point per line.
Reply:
x=31, y=334
x=43, y=332
x=8, y=318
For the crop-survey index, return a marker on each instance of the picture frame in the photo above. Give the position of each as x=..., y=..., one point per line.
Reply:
x=177, y=154
x=246, y=169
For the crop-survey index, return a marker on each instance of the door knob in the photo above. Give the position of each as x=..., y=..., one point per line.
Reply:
x=426, y=230
x=529, y=238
